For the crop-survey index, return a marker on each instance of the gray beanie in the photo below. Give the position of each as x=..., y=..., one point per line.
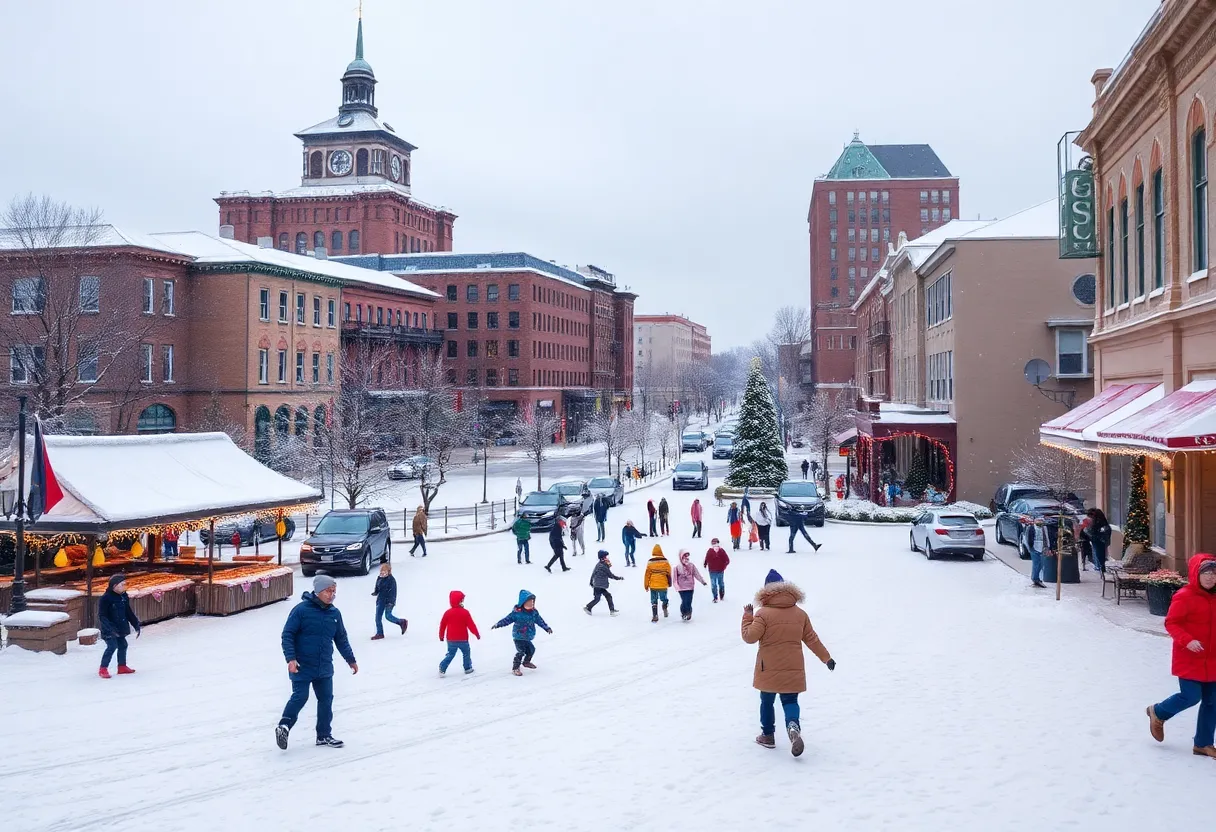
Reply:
x=322, y=583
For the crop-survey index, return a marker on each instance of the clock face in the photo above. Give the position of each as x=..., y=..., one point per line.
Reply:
x=395, y=168
x=339, y=162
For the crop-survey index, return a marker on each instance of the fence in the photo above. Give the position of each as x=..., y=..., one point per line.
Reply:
x=477, y=517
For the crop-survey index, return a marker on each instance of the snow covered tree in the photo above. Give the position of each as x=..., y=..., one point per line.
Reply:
x=917, y=479
x=608, y=428
x=535, y=432
x=759, y=457
x=1136, y=527
x=825, y=417
x=434, y=424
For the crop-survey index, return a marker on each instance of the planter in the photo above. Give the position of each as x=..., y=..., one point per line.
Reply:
x=1070, y=572
x=1159, y=597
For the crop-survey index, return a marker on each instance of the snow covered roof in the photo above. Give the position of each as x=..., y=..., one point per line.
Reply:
x=899, y=413
x=101, y=236
x=352, y=187
x=360, y=122
x=207, y=250
x=1033, y=223
x=117, y=482
x=450, y=262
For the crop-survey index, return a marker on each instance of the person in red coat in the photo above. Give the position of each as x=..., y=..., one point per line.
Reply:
x=454, y=627
x=1191, y=623
x=716, y=561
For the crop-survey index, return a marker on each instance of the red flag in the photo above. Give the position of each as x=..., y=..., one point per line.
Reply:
x=45, y=492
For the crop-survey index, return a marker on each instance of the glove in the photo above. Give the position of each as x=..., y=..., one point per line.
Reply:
x=831, y=664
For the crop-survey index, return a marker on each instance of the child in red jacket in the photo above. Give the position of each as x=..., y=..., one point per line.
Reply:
x=455, y=627
x=716, y=561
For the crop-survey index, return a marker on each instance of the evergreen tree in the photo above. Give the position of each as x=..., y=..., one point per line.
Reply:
x=1136, y=529
x=759, y=457
x=918, y=477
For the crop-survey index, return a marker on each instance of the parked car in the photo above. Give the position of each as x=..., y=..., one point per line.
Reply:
x=263, y=528
x=348, y=540
x=539, y=508
x=1011, y=491
x=609, y=487
x=803, y=497
x=411, y=468
x=1011, y=527
x=576, y=497
x=724, y=446
x=693, y=441
x=692, y=474
x=947, y=532
x=506, y=440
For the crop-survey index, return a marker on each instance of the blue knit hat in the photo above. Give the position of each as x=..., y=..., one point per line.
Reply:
x=602, y=553
x=773, y=577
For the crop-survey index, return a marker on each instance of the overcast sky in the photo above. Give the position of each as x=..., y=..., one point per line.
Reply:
x=672, y=142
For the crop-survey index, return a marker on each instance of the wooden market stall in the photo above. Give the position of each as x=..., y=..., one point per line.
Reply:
x=121, y=493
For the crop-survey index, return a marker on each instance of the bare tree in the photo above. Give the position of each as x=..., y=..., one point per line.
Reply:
x=434, y=424
x=606, y=427
x=665, y=430
x=791, y=325
x=1062, y=474
x=214, y=419
x=824, y=417
x=535, y=432
x=75, y=332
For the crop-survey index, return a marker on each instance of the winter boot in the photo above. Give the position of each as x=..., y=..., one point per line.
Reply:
x=123, y=670
x=529, y=665
x=330, y=742
x=766, y=740
x=442, y=673
x=817, y=546
x=104, y=672
x=280, y=735
x=722, y=595
x=467, y=672
x=1156, y=727
x=378, y=636
x=1204, y=751
x=404, y=624
x=664, y=609
x=796, y=744
x=654, y=613
x=615, y=613
x=587, y=611
x=517, y=671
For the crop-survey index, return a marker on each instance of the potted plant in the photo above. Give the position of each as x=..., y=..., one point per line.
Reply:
x=1160, y=587
x=1136, y=525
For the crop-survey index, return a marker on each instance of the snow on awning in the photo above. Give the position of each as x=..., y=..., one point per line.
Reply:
x=1079, y=427
x=845, y=436
x=1185, y=420
x=117, y=482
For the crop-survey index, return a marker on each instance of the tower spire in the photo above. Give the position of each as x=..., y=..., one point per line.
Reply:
x=359, y=37
x=359, y=82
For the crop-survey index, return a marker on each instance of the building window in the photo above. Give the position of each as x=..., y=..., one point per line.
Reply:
x=346, y=311
x=86, y=361
x=852, y=235
x=831, y=197
x=513, y=291
x=945, y=215
x=149, y=296
x=282, y=366
x=832, y=235
x=513, y=320
x=874, y=254
x=471, y=349
x=145, y=362
x=335, y=241
x=1157, y=488
x=26, y=363
x=301, y=243
x=924, y=215
x=452, y=349
x=849, y=197
x=329, y=368
x=832, y=254
x=90, y=294
x=1140, y=240
x=1072, y=354
x=353, y=242
x=316, y=368
x=513, y=349
x=853, y=216
x=491, y=349
x=316, y=310
x=835, y=291
x=453, y=320
x=1199, y=199
x=491, y=378
x=318, y=240
x=491, y=320
x=1110, y=257
x=1124, y=277
x=886, y=214
x=470, y=293
x=935, y=214
x=470, y=377
x=167, y=361
x=300, y=302
x=1118, y=472
x=513, y=377
x=832, y=216
x=282, y=307
x=299, y=368
x=939, y=302
x=452, y=294
x=283, y=242
x=471, y=323
x=156, y=418
x=492, y=293
x=167, y=300
x=331, y=312
x=924, y=197
x=263, y=366
x=873, y=215
x=380, y=316
x=1158, y=230
x=835, y=272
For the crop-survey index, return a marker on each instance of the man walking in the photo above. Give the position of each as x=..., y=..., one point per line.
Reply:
x=601, y=517
x=1040, y=547
x=577, y=540
x=522, y=530
x=806, y=466
x=313, y=627
x=557, y=542
x=419, y=529
x=794, y=518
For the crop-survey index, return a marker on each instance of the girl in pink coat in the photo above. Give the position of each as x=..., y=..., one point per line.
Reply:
x=696, y=518
x=687, y=575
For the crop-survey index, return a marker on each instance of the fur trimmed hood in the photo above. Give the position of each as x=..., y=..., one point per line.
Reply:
x=780, y=594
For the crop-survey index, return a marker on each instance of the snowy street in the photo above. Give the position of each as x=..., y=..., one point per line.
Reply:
x=962, y=699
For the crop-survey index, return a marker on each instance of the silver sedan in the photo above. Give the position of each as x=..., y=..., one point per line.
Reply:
x=947, y=532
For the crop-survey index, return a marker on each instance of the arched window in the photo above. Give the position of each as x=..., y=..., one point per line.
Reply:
x=301, y=243
x=353, y=246
x=282, y=422
x=261, y=432
x=157, y=418
x=301, y=421
x=318, y=239
x=335, y=241
x=361, y=163
x=283, y=242
x=314, y=165
x=1199, y=200
x=318, y=425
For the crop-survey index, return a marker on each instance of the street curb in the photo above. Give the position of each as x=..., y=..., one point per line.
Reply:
x=889, y=525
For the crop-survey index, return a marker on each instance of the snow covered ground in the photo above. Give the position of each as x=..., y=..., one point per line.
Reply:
x=962, y=700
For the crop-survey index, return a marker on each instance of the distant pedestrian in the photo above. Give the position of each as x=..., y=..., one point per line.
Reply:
x=764, y=525
x=1191, y=623
x=732, y=513
x=815, y=468
x=664, y=514
x=652, y=512
x=519, y=489
x=753, y=533
x=522, y=529
x=696, y=517
x=716, y=561
x=687, y=576
x=781, y=628
x=169, y=538
x=600, y=576
x=745, y=505
x=577, y=540
x=115, y=618
x=312, y=629
x=657, y=580
x=454, y=627
x=557, y=542
x=1099, y=537
x=419, y=529
x=524, y=619
x=806, y=466
x=630, y=537
x=601, y=517
x=1039, y=548
x=386, y=597
x=797, y=525
x=733, y=517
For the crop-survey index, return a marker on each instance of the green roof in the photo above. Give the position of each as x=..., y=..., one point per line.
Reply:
x=857, y=162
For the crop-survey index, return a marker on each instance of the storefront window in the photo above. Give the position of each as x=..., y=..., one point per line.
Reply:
x=1118, y=481
x=1157, y=495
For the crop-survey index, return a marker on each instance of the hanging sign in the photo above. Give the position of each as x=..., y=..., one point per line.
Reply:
x=1078, y=238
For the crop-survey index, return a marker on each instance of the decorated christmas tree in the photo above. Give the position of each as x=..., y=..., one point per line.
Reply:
x=1136, y=529
x=918, y=478
x=759, y=457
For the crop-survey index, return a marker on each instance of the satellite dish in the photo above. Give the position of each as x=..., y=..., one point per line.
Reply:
x=1037, y=371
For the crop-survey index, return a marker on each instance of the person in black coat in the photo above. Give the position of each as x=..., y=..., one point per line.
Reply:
x=601, y=517
x=386, y=598
x=557, y=540
x=115, y=619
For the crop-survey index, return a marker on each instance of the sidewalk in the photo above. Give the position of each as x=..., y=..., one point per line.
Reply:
x=1130, y=613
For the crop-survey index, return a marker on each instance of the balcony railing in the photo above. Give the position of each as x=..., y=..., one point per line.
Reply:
x=880, y=330
x=394, y=334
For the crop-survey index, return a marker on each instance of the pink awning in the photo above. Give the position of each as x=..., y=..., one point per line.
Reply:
x=1184, y=420
x=1115, y=397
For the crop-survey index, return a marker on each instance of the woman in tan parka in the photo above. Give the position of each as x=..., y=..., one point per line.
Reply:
x=419, y=529
x=781, y=627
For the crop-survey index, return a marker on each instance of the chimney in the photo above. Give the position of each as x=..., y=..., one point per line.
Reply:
x=1099, y=79
x=265, y=242
x=321, y=253
x=227, y=232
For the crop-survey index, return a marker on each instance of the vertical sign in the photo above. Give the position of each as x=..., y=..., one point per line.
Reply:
x=1078, y=239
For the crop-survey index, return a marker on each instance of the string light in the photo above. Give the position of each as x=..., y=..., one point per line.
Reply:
x=870, y=441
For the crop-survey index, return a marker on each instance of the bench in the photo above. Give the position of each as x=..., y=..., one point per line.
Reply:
x=1127, y=576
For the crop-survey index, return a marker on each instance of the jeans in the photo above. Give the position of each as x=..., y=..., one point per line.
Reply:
x=601, y=593
x=600, y=534
x=768, y=714
x=630, y=548
x=653, y=532
x=663, y=527
x=658, y=596
x=524, y=651
x=523, y=552
x=717, y=584
x=419, y=540
x=1036, y=566
x=686, y=601
x=1191, y=693
x=113, y=643
x=1099, y=553
x=453, y=646
x=696, y=528
x=324, y=689
x=764, y=532
x=385, y=611
x=558, y=554
x=170, y=549
x=794, y=533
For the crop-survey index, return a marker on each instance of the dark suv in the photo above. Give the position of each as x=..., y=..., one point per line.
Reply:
x=346, y=540
x=803, y=498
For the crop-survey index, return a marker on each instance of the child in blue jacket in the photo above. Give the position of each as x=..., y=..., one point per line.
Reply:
x=524, y=620
x=630, y=537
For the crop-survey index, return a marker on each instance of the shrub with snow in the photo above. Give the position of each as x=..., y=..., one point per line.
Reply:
x=864, y=511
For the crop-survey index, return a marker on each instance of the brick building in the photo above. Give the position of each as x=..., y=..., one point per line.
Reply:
x=871, y=194
x=531, y=334
x=354, y=195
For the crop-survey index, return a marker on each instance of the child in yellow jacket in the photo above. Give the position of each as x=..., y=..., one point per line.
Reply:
x=657, y=579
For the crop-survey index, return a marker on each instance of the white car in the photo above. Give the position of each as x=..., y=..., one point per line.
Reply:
x=411, y=468
x=941, y=531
